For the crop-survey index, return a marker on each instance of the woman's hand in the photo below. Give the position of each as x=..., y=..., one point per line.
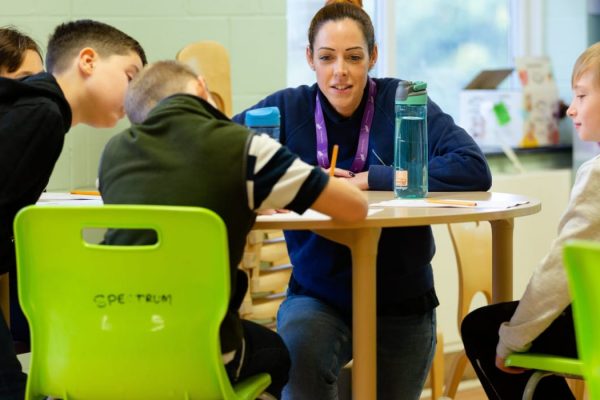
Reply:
x=360, y=180
x=509, y=370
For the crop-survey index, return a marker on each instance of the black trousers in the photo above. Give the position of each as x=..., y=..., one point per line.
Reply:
x=12, y=379
x=19, y=327
x=480, y=337
x=264, y=351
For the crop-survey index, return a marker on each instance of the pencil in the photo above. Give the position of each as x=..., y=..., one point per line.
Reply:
x=85, y=192
x=333, y=160
x=451, y=202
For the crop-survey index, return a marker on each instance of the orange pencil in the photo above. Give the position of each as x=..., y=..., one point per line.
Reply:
x=85, y=192
x=452, y=202
x=333, y=160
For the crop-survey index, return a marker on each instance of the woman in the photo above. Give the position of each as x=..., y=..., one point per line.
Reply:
x=347, y=108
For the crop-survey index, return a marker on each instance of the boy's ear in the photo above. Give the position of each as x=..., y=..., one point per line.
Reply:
x=87, y=60
x=203, y=92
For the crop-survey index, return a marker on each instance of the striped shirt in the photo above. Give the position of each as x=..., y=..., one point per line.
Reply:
x=277, y=178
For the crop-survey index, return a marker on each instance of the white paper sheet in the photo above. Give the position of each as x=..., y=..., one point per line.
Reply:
x=308, y=214
x=68, y=199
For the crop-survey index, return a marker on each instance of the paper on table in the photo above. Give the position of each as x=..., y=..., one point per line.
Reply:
x=52, y=196
x=423, y=203
x=68, y=199
x=308, y=214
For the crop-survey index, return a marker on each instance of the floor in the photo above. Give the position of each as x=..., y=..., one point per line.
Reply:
x=470, y=391
x=476, y=393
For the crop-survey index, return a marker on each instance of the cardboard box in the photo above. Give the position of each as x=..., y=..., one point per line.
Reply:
x=532, y=109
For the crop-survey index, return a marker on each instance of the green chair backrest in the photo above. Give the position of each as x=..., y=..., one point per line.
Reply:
x=582, y=262
x=124, y=322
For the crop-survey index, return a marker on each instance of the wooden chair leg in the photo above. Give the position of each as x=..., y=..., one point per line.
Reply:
x=577, y=387
x=456, y=372
x=437, y=368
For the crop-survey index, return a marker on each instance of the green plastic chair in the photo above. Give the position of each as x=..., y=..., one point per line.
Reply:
x=582, y=264
x=126, y=322
x=582, y=261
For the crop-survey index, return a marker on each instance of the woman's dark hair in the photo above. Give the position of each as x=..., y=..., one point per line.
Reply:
x=13, y=45
x=338, y=11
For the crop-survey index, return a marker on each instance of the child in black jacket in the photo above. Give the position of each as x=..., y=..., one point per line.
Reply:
x=89, y=67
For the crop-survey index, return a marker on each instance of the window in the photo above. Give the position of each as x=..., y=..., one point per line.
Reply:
x=446, y=43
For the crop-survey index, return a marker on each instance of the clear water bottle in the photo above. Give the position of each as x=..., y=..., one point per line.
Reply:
x=264, y=120
x=410, y=146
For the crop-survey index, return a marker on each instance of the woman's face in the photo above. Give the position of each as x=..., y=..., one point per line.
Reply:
x=340, y=58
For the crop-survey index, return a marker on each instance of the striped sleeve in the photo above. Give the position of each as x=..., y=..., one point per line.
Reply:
x=277, y=178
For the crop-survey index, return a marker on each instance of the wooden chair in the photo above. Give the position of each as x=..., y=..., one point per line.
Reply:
x=268, y=266
x=472, y=242
x=210, y=59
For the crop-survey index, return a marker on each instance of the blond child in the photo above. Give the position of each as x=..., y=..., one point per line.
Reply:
x=180, y=150
x=542, y=321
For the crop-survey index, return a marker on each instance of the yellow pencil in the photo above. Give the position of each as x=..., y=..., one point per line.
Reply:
x=451, y=202
x=85, y=192
x=333, y=160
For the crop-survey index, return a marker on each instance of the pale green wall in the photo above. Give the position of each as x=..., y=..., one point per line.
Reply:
x=254, y=32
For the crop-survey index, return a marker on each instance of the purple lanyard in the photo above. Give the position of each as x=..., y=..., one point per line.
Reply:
x=363, y=139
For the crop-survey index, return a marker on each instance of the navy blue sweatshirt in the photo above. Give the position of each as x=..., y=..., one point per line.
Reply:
x=322, y=268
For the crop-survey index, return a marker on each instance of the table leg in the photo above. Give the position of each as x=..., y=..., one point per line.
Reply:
x=363, y=245
x=502, y=260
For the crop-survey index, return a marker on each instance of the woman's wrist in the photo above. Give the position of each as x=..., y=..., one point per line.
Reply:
x=381, y=177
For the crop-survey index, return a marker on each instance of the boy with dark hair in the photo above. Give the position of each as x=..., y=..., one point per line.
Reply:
x=89, y=66
x=182, y=151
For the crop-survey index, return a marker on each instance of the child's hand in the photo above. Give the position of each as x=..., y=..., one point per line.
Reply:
x=509, y=370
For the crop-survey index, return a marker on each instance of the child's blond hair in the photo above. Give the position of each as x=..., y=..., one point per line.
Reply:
x=154, y=83
x=589, y=60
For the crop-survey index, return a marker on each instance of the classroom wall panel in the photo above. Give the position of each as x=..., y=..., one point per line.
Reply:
x=258, y=56
x=237, y=7
x=133, y=8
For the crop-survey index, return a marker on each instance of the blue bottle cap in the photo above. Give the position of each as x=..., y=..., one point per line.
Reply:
x=267, y=116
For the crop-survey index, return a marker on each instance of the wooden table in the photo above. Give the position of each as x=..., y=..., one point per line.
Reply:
x=362, y=238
